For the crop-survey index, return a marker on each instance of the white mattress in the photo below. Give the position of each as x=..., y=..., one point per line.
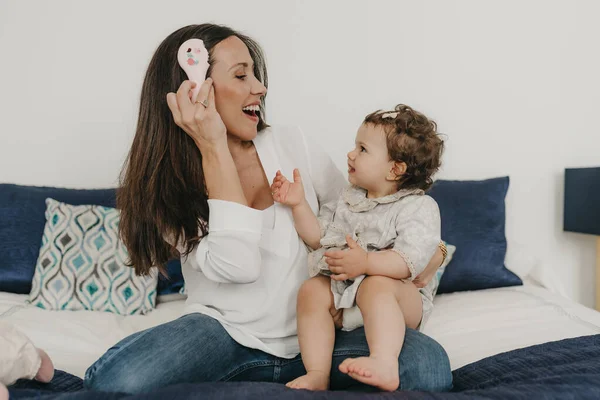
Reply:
x=470, y=325
x=75, y=339
x=479, y=324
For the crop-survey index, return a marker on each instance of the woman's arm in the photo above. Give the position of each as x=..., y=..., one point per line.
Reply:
x=428, y=273
x=230, y=252
x=220, y=174
x=205, y=126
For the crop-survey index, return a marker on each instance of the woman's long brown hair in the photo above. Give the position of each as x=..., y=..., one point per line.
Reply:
x=162, y=194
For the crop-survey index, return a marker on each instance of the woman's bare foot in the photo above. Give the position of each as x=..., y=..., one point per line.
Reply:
x=46, y=371
x=378, y=372
x=3, y=392
x=313, y=380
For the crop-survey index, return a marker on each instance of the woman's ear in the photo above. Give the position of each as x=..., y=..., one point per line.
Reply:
x=397, y=170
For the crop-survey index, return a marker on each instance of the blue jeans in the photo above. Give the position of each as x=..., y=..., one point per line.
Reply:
x=196, y=348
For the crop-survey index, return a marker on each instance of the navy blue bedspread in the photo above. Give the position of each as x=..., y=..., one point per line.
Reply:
x=566, y=369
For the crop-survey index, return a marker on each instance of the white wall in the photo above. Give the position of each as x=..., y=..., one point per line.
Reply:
x=514, y=84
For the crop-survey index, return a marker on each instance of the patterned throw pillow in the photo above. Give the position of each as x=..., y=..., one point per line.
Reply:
x=438, y=275
x=81, y=265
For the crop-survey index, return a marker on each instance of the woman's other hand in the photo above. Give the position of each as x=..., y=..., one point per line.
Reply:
x=430, y=270
x=199, y=120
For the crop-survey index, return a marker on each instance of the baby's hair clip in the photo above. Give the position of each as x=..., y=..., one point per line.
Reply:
x=389, y=115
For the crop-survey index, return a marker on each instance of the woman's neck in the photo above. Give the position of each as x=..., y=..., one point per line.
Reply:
x=238, y=148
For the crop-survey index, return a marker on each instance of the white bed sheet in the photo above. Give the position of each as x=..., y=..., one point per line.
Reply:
x=470, y=325
x=75, y=339
x=474, y=325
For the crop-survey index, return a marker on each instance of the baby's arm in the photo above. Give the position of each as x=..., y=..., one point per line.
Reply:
x=387, y=263
x=292, y=194
x=307, y=225
x=355, y=261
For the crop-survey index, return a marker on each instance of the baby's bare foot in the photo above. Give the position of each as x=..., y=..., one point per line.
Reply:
x=378, y=372
x=313, y=380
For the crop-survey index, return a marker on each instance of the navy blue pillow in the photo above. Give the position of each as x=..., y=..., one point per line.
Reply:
x=22, y=222
x=174, y=282
x=473, y=219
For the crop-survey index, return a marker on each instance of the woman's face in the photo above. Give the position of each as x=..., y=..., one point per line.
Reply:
x=237, y=91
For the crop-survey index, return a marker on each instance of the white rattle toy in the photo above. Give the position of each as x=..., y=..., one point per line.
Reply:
x=193, y=59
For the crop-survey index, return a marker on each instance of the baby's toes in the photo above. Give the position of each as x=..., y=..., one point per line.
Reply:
x=354, y=368
x=344, y=366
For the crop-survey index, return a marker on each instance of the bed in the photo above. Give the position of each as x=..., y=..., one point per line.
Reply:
x=505, y=328
x=469, y=325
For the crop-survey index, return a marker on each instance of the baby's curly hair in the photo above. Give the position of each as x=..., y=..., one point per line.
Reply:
x=411, y=138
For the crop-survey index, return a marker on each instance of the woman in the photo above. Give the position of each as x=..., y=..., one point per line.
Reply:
x=196, y=184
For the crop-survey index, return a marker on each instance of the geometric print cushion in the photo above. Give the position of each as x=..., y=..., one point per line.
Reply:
x=82, y=264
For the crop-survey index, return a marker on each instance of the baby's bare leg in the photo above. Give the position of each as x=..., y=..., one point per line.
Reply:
x=316, y=333
x=388, y=306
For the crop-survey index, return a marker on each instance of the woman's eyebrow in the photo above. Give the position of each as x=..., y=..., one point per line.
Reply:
x=243, y=64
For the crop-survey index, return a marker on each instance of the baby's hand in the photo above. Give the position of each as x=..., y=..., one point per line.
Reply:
x=349, y=263
x=286, y=192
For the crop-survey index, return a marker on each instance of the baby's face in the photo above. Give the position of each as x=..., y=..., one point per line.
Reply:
x=369, y=163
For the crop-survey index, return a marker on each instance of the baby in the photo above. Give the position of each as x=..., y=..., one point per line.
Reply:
x=19, y=359
x=368, y=248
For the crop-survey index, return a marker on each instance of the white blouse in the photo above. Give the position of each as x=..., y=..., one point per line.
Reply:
x=247, y=270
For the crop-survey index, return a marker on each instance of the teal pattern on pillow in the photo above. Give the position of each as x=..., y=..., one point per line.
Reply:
x=82, y=264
